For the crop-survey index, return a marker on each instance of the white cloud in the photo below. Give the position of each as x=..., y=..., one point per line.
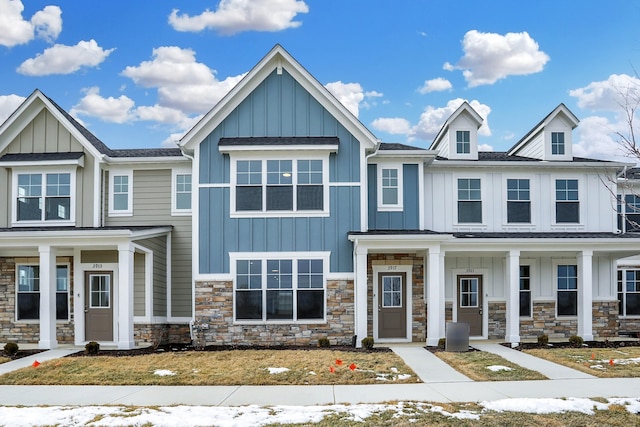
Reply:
x=14, y=29
x=62, y=59
x=485, y=147
x=392, y=125
x=435, y=85
x=182, y=82
x=349, y=94
x=432, y=119
x=608, y=95
x=489, y=57
x=8, y=104
x=595, y=138
x=235, y=16
x=116, y=110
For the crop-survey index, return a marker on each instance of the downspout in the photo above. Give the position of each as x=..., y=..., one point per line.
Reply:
x=192, y=323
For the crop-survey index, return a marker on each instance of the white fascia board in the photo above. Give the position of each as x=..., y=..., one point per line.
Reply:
x=408, y=155
x=606, y=244
x=146, y=160
x=261, y=148
x=79, y=162
x=521, y=163
x=96, y=235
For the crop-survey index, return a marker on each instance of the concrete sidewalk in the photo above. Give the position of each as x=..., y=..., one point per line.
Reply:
x=440, y=383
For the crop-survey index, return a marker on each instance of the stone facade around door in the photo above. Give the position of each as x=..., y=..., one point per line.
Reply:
x=418, y=315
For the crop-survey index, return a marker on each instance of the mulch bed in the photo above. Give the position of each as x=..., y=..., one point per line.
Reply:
x=166, y=348
x=23, y=353
x=567, y=344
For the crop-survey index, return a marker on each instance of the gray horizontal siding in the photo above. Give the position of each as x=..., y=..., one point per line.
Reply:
x=152, y=206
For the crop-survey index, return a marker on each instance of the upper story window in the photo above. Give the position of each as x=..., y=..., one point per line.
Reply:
x=469, y=200
x=463, y=142
x=389, y=187
x=121, y=194
x=567, y=201
x=181, y=193
x=518, y=201
x=44, y=197
x=557, y=143
x=629, y=213
x=280, y=185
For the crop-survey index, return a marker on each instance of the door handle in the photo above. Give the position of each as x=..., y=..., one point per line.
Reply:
x=86, y=309
x=480, y=311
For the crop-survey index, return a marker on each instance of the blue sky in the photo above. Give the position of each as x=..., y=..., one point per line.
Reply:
x=139, y=74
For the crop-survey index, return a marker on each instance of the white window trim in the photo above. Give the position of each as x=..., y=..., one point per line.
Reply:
x=55, y=291
x=532, y=205
x=623, y=270
x=455, y=141
x=528, y=263
x=555, y=264
x=129, y=210
x=483, y=198
x=293, y=256
x=174, y=195
x=581, y=207
x=563, y=145
x=43, y=171
x=390, y=207
x=279, y=155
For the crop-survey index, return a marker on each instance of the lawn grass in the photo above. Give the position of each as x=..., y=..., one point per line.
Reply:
x=4, y=359
x=622, y=362
x=476, y=365
x=232, y=367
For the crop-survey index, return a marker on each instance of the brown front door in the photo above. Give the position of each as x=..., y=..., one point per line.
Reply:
x=98, y=308
x=392, y=305
x=470, y=303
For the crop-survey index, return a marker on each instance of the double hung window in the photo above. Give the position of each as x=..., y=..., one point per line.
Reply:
x=43, y=197
x=182, y=192
x=469, y=201
x=389, y=192
x=279, y=290
x=567, y=201
x=518, y=201
x=629, y=212
x=567, y=278
x=279, y=185
x=121, y=194
x=629, y=292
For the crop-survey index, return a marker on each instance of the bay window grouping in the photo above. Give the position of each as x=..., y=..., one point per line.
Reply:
x=279, y=290
x=279, y=185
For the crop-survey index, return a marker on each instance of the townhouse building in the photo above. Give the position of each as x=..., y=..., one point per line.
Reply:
x=281, y=219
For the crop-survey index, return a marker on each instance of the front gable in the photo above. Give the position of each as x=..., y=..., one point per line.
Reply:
x=40, y=142
x=458, y=137
x=551, y=139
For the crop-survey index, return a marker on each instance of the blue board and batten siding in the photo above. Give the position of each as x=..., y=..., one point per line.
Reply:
x=408, y=218
x=279, y=106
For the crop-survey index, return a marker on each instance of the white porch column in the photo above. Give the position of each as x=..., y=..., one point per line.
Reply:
x=360, y=297
x=512, y=295
x=125, y=296
x=585, y=295
x=47, y=298
x=435, y=296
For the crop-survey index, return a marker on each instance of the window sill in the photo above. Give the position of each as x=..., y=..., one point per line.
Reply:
x=123, y=213
x=390, y=208
x=280, y=214
x=280, y=322
x=43, y=224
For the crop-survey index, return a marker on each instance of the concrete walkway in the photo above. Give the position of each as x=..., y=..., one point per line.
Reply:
x=440, y=384
x=551, y=370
